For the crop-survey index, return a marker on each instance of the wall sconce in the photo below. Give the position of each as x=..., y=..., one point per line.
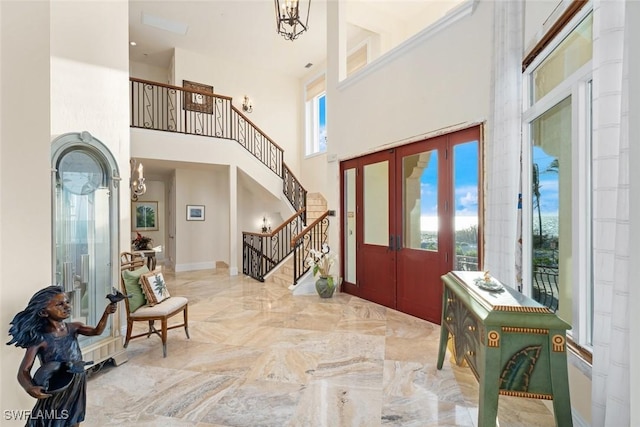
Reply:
x=266, y=227
x=247, y=106
x=136, y=181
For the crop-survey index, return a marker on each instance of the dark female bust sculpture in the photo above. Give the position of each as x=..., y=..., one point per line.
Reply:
x=60, y=382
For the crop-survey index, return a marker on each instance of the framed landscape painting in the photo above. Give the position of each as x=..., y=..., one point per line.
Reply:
x=145, y=216
x=195, y=212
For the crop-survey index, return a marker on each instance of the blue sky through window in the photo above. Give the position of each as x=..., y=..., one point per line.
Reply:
x=466, y=188
x=322, y=123
x=548, y=186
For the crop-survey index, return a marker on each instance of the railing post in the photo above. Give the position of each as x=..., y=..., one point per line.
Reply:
x=295, y=262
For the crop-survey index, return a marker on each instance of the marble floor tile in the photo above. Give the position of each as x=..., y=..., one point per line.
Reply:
x=259, y=356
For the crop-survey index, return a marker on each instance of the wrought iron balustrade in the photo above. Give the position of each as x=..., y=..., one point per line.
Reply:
x=174, y=109
x=294, y=191
x=170, y=108
x=312, y=237
x=545, y=286
x=261, y=252
x=466, y=263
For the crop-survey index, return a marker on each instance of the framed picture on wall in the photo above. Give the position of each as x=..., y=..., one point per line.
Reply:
x=197, y=101
x=195, y=212
x=145, y=216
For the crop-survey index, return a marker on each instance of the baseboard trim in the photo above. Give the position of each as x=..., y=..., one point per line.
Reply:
x=195, y=266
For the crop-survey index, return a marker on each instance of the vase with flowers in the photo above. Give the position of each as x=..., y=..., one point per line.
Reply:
x=321, y=261
x=141, y=243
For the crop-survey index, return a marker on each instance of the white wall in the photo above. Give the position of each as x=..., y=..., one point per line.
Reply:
x=90, y=80
x=25, y=159
x=149, y=72
x=314, y=174
x=64, y=68
x=200, y=244
x=440, y=82
x=276, y=98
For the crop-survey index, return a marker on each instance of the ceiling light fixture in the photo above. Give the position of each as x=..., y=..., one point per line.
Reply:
x=291, y=20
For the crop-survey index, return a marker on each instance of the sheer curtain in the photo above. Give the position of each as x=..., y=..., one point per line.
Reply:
x=502, y=142
x=611, y=352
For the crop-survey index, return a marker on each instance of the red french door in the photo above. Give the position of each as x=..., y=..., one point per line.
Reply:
x=403, y=215
x=370, y=227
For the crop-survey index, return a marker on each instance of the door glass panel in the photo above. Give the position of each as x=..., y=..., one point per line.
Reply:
x=420, y=200
x=83, y=261
x=465, y=190
x=376, y=203
x=551, y=205
x=350, y=225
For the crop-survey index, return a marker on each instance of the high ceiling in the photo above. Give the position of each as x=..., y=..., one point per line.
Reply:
x=246, y=29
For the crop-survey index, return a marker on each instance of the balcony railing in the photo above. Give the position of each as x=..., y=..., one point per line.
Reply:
x=545, y=286
x=175, y=109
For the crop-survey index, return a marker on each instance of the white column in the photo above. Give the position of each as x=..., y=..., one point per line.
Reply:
x=502, y=143
x=234, y=234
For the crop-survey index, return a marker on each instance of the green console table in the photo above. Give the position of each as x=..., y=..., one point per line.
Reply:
x=513, y=345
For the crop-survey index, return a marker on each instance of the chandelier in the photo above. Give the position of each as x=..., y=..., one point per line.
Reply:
x=291, y=21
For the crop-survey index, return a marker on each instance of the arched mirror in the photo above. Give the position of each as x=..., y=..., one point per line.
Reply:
x=85, y=222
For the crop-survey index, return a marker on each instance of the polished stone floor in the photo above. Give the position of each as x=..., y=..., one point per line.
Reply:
x=259, y=356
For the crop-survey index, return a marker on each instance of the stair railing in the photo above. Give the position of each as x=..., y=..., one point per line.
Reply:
x=261, y=252
x=168, y=108
x=312, y=237
x=294, y=191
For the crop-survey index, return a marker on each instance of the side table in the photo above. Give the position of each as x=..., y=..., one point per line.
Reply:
x=513, y=345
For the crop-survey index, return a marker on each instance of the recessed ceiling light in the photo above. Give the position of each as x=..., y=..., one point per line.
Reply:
x=133, y=43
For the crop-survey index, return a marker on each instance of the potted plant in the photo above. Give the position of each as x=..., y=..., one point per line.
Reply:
x=321, y=261
x=141, y=243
